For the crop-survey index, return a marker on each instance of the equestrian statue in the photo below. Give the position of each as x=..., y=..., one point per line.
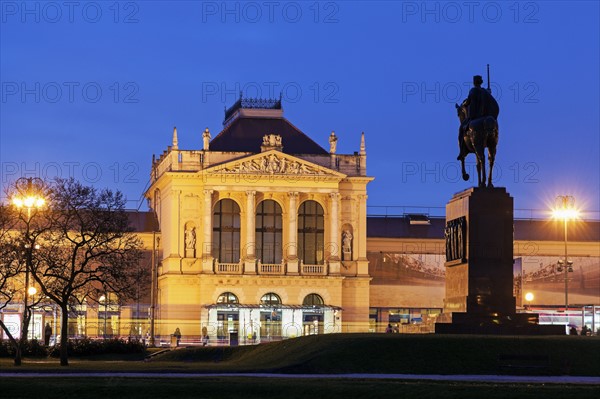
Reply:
x=478, y=116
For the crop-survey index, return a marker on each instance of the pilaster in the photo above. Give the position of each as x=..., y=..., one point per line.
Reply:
x=292, y=247
x=334, y=238
x=207, y=258
x=250, y=258
x=362, y=261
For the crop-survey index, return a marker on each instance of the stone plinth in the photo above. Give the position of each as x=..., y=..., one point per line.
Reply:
x=481, y=280
x=479, y=266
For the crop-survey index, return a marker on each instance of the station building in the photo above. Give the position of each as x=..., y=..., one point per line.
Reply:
x=262, y=230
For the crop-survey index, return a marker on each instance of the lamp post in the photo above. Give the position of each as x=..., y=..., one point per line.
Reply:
x=28, y=195
x=102, y=299
x=565, y=210
x=105, y=299
x=31, y=291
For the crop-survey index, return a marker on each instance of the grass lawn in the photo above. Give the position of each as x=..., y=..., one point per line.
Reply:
x=410, y=354
x=360, y=353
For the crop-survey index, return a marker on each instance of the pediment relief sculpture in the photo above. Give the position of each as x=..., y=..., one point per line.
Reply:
x=273, y=164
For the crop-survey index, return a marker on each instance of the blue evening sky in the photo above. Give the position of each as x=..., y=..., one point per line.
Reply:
x=93, y=89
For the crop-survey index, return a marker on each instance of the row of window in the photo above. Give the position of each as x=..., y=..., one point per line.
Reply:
x=270, y=299
x=268, y=232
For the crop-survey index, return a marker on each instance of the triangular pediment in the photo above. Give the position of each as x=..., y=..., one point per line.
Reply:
x=274, y=163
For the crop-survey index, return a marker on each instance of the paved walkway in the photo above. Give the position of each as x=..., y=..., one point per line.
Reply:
x=432, y=377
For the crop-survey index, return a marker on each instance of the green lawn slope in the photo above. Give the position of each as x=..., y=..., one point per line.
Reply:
x=400, y=353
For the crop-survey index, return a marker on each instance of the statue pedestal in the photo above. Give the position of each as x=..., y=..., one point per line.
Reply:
x=479, y=267
x=190, y=253
x=346, y=255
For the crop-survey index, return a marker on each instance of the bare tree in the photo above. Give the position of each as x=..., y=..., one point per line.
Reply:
x=90, y=249
x=9, y=270
x=20, y=230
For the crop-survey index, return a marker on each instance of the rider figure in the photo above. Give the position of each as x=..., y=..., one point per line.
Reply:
x=476, y=99
x=479, y=103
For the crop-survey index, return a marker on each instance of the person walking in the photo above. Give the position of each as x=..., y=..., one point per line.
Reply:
x=47, y=334
x=572, y=331
x=177, y=335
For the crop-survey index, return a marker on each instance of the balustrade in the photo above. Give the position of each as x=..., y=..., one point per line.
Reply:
x=228, y=268
x=313, y=270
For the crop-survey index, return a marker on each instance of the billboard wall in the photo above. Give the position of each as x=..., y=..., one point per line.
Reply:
x=541, y=277
x=418, y=280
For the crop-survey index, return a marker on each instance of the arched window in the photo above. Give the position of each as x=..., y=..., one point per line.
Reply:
x=270, y=316
x=226, y=231
x=108, y=315
x=270, y=299
x=268, y=232
x=227, y=316
x=227, y=298
x=311, y=233
x=313, y=300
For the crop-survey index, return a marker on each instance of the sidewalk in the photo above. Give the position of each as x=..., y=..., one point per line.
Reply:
x=508, y=379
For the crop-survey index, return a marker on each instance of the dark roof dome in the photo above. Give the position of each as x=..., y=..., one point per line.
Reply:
x=249, y=120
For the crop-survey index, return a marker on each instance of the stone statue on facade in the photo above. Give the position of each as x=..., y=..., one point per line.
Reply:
x=332, y=143
x=272, y=142
x=190, y=238
x=205, y=139
x=347, y=244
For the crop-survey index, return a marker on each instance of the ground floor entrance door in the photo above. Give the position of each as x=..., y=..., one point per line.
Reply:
x=312, y=323
x=227, y=322
x=270, y=325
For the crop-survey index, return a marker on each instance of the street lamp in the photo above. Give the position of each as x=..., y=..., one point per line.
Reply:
x=529, y=298
x=103, y=300
x=565, y=210
x=31, y=291
x=28, y=195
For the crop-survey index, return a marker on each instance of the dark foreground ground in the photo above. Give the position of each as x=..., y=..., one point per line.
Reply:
x=234, y=387
x=334, y=353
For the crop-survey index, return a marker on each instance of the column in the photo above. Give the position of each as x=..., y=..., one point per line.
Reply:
x=360, y=237
x=334, y=236
x=250, y=258
x=207, y=258
x=292, y=247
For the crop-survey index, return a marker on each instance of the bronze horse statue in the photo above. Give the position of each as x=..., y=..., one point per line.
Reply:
x=476, y=136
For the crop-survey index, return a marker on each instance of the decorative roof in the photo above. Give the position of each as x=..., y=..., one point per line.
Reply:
x=252, y=103
x=249, y=120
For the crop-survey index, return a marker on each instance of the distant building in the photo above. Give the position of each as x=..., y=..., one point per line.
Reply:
x=406, y=264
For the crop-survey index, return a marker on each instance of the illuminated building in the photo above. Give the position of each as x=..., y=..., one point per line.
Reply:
x=263, y=232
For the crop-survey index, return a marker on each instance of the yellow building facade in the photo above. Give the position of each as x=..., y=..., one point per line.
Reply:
x=263, y=232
